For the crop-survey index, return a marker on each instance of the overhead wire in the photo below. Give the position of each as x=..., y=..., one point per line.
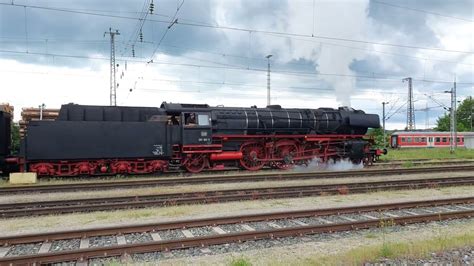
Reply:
x=138, y=29
x=288, y=34
x=420, y=11
x=233, y=67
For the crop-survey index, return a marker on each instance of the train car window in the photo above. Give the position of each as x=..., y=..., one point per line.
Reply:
x=173, y=120
x=438, y=139
x=430, y=139
x=462, y=139
x=203, y=120
x=403, y=139
x=458, y=140
x=423, y=140
x=190, y=119
x=409, y=140
x=417, y=139
x=445, y=140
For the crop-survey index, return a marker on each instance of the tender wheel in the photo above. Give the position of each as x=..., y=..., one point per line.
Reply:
x=195, y=163
x=253, y=156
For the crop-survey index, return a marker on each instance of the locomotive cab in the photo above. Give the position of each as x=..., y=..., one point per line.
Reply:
x=196, y=128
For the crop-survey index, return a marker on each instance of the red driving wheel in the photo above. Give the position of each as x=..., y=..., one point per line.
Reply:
x=254, y=156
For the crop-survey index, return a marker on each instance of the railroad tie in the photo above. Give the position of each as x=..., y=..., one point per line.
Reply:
x=464, y=207
x=325, y=221
x=274, y=225
x=369, y=216
x=429, y=211
x=82, y=263
x=391, y=215
x=121, y=240
x=84, y=243
x=410, y=212
x=4, y=251
x=247, y=227
x=218, y=230
x=45, y=247
x=348, y=218
x=155, y=236
x=298, y=222
x=187, y=233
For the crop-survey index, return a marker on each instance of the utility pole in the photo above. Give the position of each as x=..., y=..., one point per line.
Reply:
x=454, y=119
x=113, y=81
x=427, y=116
x=472, y=110
x=410, y=105
x=41, y=107
x=268, y=80
x=383, y=123
x=452, y=112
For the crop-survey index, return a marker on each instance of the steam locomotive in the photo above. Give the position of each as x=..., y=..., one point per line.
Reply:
x=105, y=140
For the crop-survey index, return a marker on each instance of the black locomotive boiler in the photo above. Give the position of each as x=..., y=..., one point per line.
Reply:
x=96, y=140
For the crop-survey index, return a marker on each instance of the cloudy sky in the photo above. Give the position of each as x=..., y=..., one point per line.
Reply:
x=324, y=53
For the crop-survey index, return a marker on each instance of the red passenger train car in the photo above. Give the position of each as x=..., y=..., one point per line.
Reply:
x=422, y=139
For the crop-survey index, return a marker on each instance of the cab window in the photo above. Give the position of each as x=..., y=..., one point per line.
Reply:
x=190, y=119
x=203, y=120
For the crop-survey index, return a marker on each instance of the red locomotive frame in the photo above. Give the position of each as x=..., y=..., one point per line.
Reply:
x=255, y=152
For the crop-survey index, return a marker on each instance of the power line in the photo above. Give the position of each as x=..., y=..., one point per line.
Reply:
x=421, y=11
x=248, y=30
x=377, y=51
x=138, y=34
x=233, y=67
x=173, y=21
x=223, y=54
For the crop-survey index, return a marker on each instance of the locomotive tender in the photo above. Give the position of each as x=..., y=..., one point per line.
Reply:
x=95, y=140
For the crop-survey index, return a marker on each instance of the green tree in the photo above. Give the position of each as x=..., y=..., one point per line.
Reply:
x=15, y=138
x=463, y=117
x=377, y=134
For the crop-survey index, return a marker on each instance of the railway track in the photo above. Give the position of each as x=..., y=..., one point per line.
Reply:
x=233, y=178
x=212, y=196
x=82, y=245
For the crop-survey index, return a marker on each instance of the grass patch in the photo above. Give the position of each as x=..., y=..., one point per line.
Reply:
x=390, y=250
x=408, y=164
x=370, y=236
x=428, y=153
x=240, y=261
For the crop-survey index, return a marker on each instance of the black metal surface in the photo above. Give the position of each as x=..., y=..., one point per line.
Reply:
x=68, y=140
x=75, y=112
x=5, y=134
x=110, y=132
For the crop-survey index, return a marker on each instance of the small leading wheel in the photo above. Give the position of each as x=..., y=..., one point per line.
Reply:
x=195, y=163
x=254, y=156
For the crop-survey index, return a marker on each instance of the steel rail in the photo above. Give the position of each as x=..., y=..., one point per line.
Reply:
x=115, y=203
x=157, y=246
x=273, y=176
x=234, y=219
